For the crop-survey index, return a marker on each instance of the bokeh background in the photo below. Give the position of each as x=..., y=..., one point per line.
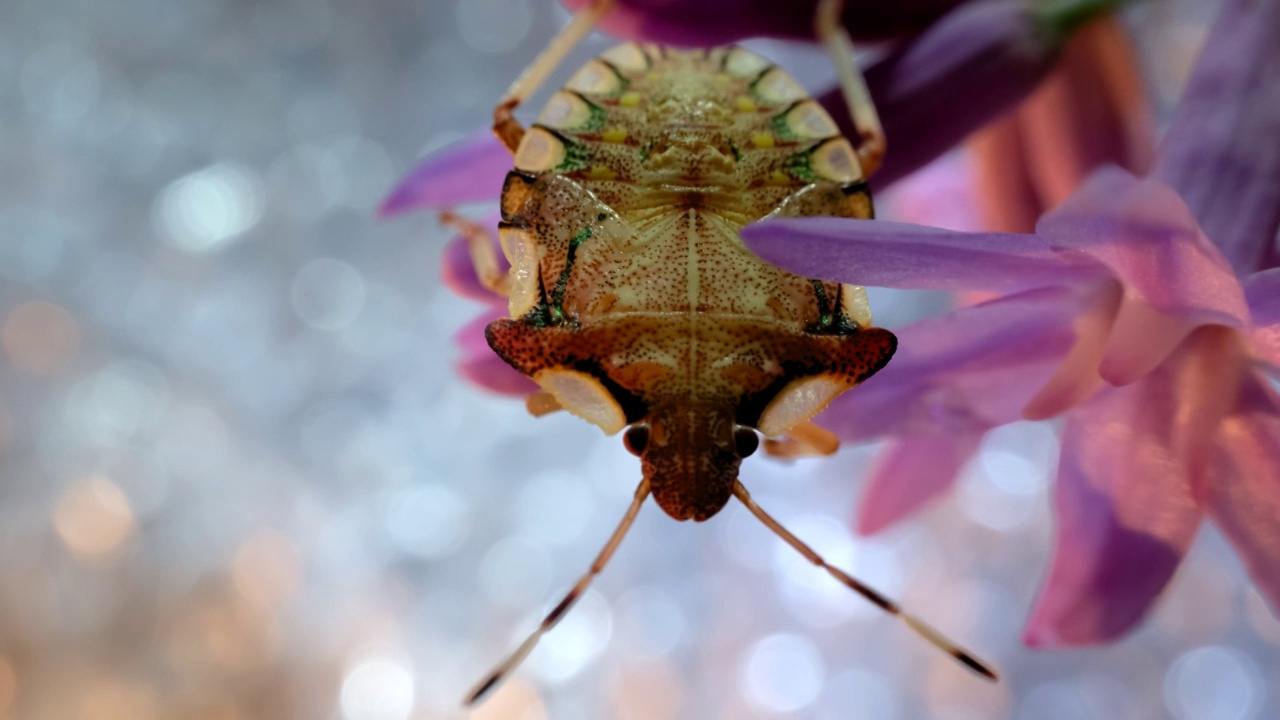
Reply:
x=239, y=479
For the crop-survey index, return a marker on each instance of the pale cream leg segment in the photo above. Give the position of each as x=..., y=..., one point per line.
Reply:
x=804, y=440
x=480, y=242
x=928, y=633
x=505, y=126
x=871, y=144
x=553, y=617
x=542, y=403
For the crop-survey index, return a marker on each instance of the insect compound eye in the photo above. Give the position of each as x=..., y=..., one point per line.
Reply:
x=746, y=440
x=636, y=439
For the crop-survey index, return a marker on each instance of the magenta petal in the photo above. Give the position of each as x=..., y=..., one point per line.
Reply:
x=482, y=366
x=469, y=171
x=1243, y=492
x=1144, y=233
x=900, y=255
x=910, y=472
x=493, y=373
x=459, y=273
x=964, y=372
x=1263, y=291
x=1124, y=500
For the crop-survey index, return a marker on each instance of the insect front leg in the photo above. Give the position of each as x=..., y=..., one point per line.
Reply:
x=831, y=32
x=481, y=243
x=505, y=126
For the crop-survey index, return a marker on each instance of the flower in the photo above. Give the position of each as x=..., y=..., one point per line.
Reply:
x=1164, y=287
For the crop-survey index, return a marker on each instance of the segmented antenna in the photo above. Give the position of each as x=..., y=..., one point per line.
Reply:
x=922, y=629
x=506, y=666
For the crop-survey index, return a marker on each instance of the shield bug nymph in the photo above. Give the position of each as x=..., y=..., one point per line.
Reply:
x=633, y=302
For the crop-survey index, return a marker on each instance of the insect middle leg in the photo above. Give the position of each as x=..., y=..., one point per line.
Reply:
x=505, y=126
x=831, y=32
x=804, y=440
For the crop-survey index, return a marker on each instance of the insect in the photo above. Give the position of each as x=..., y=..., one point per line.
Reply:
x=634, y=304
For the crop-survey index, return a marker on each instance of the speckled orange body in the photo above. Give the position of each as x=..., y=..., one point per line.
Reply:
x=633, y=300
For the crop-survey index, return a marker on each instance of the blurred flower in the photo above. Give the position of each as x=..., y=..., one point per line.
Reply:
x=1122, y=310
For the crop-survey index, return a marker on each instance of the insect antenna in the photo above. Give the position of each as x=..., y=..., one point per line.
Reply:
x=916, y=624
x=514, y=659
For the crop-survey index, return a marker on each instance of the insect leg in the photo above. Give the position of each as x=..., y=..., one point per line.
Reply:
x=803, y=440
x=505, y=126
x=923, y=630
x=480, y=242
x=831, y=32
x=553, y=617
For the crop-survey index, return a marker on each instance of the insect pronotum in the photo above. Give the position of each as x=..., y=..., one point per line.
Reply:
x=633, y=302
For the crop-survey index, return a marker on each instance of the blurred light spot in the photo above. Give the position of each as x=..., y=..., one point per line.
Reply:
x=115, y=699
x=783, y=673
x=118, y=401
x=266, y=569
x=307, y=181
x=515, y=574
x=1003, y=505
x=40, y=338
x=1056, y=701
x=1013, y=473
x=94, y=519
x=60, y=84
x=477, y=28
x=377, y=690
x=327, y=294
x=429, y=521
x=579, y=638
x=32, y=243
x=864, y=694
x=1202, y=603
x=813, y=595
x=1213, y=682
x=208, y=209
x=1263, y=621
x=652, y=691
x=515, y=699
x=554, y=508
x=8, y=686
x=650, y=623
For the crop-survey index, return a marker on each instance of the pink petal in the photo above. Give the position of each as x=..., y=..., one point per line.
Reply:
x=1077, y=376
x=469, y=171
x=966, y=371
x=1123, y=501
x=482, y=366
x=1143, y=232
x=1243, y=491
x=459, y=272
x=910, y=472
x=898, y=255
x=493, y=373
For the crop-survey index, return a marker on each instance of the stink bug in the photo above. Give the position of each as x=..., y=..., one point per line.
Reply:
x=634, y=304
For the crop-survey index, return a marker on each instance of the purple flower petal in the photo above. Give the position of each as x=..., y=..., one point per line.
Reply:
x=967, y=371
x=898, y=255
x=459, y=273
x=1263, y=291
x=1220, y=153
x=470, y=171
x=1143, y=232
x=482, y=366
x=717, y=22
x=1123, y=500
x=909, y=473
x=1243, y=492
x=967, y=69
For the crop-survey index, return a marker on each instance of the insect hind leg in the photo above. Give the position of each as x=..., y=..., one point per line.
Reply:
x=505, y=126
x=872, y=143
